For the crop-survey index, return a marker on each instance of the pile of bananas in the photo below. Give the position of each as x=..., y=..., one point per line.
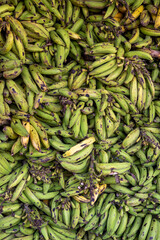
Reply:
x=79, y=119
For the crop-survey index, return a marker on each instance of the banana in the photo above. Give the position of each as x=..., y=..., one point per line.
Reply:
x=79, y=147
x=18, y=190
x=98, y=110
x=17, y=146
x=51, y=233
x=26, y=15
x=38, y=103
x=107, y=203
x=8, y=131
x=58, y=145
x=69, y=12
x=79, y=167
x=119, y=89
x=38, y=78
x=79, y=80
x=135, y=227
x=77, y=156
x=135, y=14
x=131, y=138
x=28, y=80
x=34, y=137
x=68, y=233
x=150, y=84
x=40, y=130
x=157, y=20
x=25, y=140
x=5, y=164
x=36, y=28
x=101, y=61
x=17, y=95
x=29, y=194
x=84, y=125
x=89, y=34
x=132, y=150
x=144, y=18
x=2, y=108
x=12, y=74
x=110, y=10
x=18, y=29
x=73, y=35
x=100, y=126
x=100, y=202
x=135, y=35
x=20, y=48
x=144, y=43
x=112, y=166
x=129, y=75
x=76, y=114
x=133, y=90
x=46, y=115
x=140, y=102
x=91, y=223
x=153, y=229
x=111, y=221
x=104, y=156
x=83, y=205
x=30, y=6
x=121, y=100
x=8, y=221
x=66, y=215
x=102, y=223
x=82, y=200
x=103, y=50
x=65, y=37
x=18, y=128
x=152, y=112
x=143, y=175
x=110, y=127
x=42, y=196
x=30, y=100
x=140, y=54
x=60, y=56
x=17, y=178
x=5, y=179
x=9, y=42
x=103, y=68
x=92, y=94
x=123, y=225
x=150, y=32
x=3, y=171
x=56, y=39
x=158, y=232
x=6, y=7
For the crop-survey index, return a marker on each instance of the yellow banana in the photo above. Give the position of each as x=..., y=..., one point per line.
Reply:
x=82, y=199
x=135, y=35
x=35, y=138
x=133, y=90
x=25, y=140
x=79, y=146
x=157, y=20
x=135, y=14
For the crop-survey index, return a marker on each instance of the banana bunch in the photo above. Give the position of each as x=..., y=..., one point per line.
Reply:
x=78, y=162
x=22, y=131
